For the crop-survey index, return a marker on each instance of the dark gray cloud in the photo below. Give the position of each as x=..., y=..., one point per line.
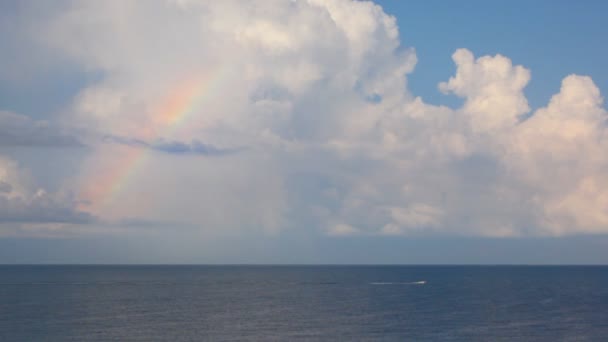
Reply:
x=171, y=146
x=20, y=130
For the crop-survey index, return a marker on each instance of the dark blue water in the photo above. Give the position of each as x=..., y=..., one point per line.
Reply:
x=333, y=303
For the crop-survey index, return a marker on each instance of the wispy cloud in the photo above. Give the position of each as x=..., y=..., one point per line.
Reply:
x=195, y=147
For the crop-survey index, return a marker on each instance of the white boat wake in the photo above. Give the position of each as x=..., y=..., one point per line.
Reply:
x=421, y=282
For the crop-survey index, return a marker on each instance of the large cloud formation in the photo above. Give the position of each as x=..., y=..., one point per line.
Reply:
x=314, y=96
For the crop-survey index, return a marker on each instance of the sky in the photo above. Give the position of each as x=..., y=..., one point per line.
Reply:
x=303, y=131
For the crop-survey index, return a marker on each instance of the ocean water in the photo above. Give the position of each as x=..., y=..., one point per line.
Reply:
x=286, y=303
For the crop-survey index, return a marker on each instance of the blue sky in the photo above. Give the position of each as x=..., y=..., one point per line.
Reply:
x=552, y=38
x=303, y=132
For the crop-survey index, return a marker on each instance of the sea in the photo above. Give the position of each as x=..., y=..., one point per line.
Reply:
x=303, y=303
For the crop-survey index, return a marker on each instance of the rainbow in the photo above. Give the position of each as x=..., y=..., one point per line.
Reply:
x=182, y=103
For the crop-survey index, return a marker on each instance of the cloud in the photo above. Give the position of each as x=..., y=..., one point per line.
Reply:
x=5, y=187
x=20, y=203
x=171, y=147
x=559, y=152
x=342, y=229
x=492, y=87
x=41, y=208
x=418, y=215
x=317, y=91
x=20, y=130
